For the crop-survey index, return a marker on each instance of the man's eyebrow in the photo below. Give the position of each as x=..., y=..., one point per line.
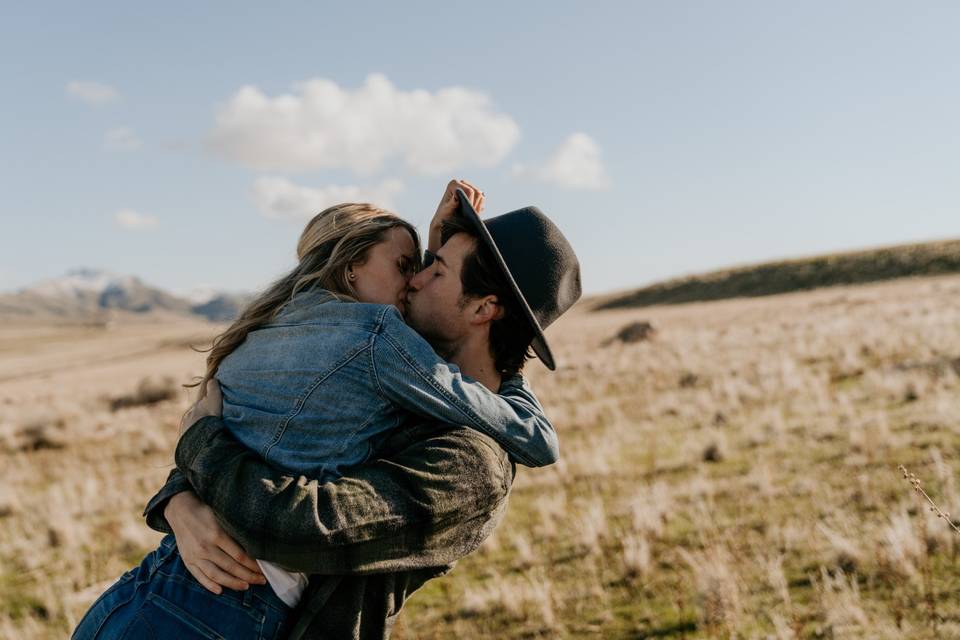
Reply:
x=430, y=257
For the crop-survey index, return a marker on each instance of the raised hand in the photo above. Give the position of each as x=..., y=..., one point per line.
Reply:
x=448, y=208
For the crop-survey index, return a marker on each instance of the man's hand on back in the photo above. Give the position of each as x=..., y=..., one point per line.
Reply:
x=212, y=556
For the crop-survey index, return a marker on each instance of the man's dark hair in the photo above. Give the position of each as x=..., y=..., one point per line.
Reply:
x=510, y=335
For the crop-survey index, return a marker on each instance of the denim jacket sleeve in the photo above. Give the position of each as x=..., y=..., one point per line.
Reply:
x=410, y=373
x=432, y=498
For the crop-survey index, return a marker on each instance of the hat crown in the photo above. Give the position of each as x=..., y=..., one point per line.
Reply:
x=537, y=261
x=540, y=260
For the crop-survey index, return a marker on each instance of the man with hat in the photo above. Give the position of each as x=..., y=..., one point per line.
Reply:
x=433, y=491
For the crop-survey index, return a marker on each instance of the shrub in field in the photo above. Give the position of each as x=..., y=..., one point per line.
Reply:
x=149, y=391
x=41, y=430
x=635, y=332
x=713, y=452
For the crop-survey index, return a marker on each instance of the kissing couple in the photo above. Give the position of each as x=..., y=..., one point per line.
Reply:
x=357, y=429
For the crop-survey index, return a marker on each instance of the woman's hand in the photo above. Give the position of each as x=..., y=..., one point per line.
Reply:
x=211, y=556
x=448, y=208
x=211, y=404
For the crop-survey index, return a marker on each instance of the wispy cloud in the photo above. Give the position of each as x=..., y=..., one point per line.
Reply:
x=121, y=139
x=92, y=93
x=575, y=164
x=324, y=126
x=279, y=198
x=134, y=220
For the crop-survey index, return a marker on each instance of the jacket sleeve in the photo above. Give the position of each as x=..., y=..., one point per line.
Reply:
x=409, y=373
x=176, y=483
x=429, y=503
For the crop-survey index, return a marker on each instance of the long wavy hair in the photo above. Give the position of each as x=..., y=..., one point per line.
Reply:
x=334, y=240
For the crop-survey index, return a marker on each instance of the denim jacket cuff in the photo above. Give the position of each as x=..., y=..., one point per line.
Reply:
x=153, y=512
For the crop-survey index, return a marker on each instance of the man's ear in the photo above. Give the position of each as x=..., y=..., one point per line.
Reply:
x=487, y=309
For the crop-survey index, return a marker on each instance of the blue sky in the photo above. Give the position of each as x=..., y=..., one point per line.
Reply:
x=664, y=138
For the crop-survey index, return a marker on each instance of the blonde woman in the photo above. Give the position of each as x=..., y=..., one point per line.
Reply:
x=325, y=345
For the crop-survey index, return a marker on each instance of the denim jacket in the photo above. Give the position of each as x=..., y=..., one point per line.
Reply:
x=322, y=384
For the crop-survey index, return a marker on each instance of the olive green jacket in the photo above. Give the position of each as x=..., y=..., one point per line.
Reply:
x=369, y=539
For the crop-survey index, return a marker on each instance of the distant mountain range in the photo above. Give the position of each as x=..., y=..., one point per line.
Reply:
x=91, y=295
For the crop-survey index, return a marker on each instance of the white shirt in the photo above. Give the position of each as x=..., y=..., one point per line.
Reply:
x=288, y=585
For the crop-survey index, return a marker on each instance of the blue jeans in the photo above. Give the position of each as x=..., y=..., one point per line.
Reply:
x=160, y=599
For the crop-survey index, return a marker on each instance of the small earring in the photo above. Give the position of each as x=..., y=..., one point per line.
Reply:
x=352, y=276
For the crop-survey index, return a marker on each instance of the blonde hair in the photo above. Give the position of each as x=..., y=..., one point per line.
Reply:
x=334, y=240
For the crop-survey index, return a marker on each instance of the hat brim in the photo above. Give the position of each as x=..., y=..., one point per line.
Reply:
x=539, y=342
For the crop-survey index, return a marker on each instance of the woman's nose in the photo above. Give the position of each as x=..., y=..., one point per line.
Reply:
x=415, y=281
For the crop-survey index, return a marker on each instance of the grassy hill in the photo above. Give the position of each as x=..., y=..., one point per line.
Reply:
x=886, y=263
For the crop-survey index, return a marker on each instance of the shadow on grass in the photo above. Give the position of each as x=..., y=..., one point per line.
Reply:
x=681, y=628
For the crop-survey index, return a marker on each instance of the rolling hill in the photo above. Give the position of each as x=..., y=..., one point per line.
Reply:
x=856, y=267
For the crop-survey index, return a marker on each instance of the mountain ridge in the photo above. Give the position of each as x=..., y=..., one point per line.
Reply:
x=84, y=294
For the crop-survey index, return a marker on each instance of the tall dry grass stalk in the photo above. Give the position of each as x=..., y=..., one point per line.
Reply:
x=931, y=505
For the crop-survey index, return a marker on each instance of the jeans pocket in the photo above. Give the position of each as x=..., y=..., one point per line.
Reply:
x=170, y=621
x=179, y=610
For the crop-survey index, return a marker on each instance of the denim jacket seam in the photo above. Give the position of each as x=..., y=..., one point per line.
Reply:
x=325, y=323
x=381, y=316
x=373, y=366
x=477, y=422
x=379, y=329
x=301, y=401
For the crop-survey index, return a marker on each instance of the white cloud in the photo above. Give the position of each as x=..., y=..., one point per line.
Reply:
x=324, y=126
x=92, y=93
x=279, y=198
x=130, y=219
x=575, y=164
x=121, y=139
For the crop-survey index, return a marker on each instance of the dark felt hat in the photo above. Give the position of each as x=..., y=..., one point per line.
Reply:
x=538, y=262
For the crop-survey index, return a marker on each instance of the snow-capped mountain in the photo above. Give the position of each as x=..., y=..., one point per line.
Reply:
x=198, y=295
x=81, y=282
x=92, y=293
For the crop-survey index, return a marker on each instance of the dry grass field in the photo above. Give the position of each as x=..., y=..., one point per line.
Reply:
x=733, y=474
